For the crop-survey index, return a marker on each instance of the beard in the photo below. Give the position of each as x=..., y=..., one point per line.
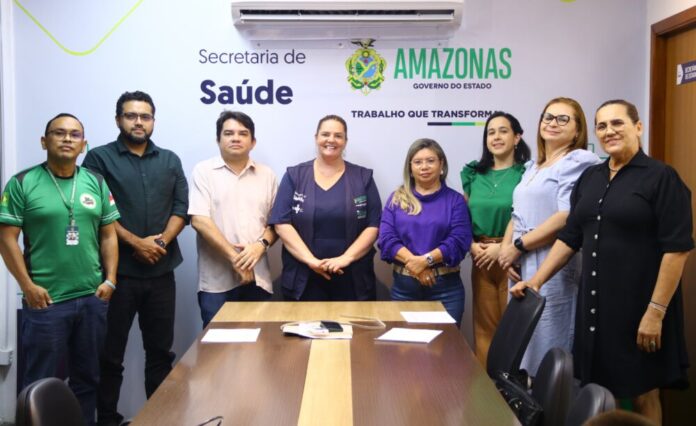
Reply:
x=138, y=140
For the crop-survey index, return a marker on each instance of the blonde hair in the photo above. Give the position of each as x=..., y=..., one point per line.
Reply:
x=579, y=142
x=403, y=196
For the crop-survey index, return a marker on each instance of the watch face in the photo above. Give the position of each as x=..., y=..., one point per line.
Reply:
x=519, y=245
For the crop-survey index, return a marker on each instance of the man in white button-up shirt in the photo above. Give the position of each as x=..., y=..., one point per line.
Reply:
x=230, y=199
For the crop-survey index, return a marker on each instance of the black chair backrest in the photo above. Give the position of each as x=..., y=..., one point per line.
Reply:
x=48, y=402
x=552, y=386
x=593, y=399
x=513, y=333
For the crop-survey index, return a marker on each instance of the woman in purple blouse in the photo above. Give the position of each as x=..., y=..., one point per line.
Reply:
x=425, y=231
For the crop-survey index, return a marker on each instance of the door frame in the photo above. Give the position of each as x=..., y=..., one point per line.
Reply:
x=660, y=31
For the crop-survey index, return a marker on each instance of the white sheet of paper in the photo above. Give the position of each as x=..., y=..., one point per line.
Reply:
x=415, y=335
x=231, y=335
x=437, y=317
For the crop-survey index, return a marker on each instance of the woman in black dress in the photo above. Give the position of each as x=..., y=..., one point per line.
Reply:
x=631, y=215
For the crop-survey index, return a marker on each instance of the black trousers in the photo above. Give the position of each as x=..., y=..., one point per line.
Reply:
x=153, y=299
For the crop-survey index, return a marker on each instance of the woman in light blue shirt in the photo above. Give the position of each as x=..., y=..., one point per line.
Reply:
x=541, y=203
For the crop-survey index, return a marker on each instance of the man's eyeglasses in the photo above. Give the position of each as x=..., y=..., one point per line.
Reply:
x=62, y=133
x=562, y=119
x=133, y=116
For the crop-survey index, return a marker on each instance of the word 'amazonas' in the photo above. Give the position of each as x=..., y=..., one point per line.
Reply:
x=450, y=63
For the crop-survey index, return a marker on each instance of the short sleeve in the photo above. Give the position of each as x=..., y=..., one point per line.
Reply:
x=273, y=194
x=199, y=196
x=467, y=176
x=282, y=207
x=570, y=168
x=374, y=205
x=571, y=234
x=672, y=206
x=12, y=204
x=109, y=211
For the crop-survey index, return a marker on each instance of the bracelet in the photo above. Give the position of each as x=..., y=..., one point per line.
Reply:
x=657, y=306
x=110, y=284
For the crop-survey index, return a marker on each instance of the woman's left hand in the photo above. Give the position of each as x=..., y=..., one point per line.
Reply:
x=427, y=277
x=650, y=331
x=517, y=290
x=508, y=255
x=488, y=256
x=416, y=265
x=335, y=265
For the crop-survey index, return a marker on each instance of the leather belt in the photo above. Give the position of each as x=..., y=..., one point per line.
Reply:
x=440, y=270
x=488, y=240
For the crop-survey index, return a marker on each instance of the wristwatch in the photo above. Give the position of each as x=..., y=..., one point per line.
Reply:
x=430, y=260
x=519, y=245
x=265, y=243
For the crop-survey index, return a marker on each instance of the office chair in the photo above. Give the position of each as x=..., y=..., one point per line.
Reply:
x=513, y=333
x=592, y=400
x=552, y=386
x=48, y=402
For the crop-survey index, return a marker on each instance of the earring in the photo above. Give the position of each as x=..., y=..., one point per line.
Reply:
x=515, y=146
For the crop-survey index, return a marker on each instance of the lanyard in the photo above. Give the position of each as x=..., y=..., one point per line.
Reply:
x=70, y=206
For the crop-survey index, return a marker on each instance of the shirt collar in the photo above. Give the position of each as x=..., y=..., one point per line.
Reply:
x=123, y=149
x=432, y=196
x=638, y=160
x=219, y=163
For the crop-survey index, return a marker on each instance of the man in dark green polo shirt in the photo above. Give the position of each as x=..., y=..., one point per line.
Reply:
x=67, y=272
x=151, y=192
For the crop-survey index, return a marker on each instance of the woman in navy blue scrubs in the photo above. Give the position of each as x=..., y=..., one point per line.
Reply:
x=327, y=214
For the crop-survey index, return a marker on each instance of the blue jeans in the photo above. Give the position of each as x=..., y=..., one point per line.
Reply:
x=210, y=303
x=71, y=331
x=447, y=289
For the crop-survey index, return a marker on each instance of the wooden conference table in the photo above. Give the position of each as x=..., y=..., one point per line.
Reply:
x=288, y=380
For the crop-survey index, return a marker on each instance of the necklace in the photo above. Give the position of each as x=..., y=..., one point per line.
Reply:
x=613, y=170
x=547, y=163
x=495, y=182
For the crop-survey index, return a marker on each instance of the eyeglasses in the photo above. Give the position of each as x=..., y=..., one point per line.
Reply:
x=62, y=133
x=562, y=119
x=429, y=161
x=133, y=116
x=617, y=125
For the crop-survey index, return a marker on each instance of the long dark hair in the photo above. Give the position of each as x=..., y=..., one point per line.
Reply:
x=522, y=151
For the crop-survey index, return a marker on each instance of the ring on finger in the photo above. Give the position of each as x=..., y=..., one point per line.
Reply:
x=652, y=344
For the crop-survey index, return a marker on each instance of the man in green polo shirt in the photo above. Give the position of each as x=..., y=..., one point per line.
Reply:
x=67, y=272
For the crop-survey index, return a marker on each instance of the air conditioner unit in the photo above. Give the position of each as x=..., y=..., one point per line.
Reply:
x=357, y=19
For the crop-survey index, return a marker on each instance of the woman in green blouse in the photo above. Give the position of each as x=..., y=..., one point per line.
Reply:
x=488, y=185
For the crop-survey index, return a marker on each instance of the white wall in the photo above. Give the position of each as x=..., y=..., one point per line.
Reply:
x=558, y=49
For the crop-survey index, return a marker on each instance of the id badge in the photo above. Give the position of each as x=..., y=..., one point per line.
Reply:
x=72, y=235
